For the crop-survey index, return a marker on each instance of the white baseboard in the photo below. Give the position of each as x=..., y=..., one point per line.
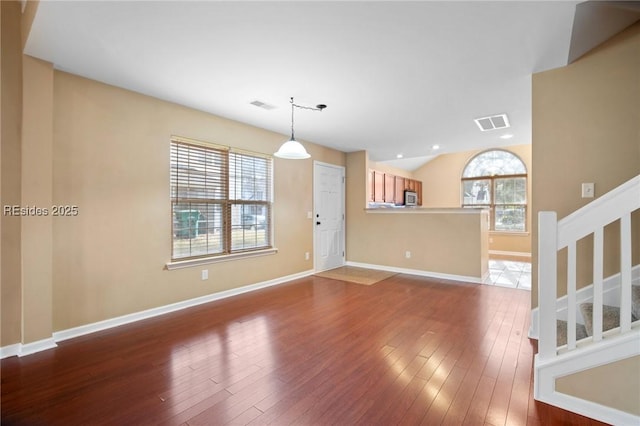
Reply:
x=10, y=350
x=421, y=273
x=510, y=253
x=20, y=349
x=58, y=336
x=40, y=345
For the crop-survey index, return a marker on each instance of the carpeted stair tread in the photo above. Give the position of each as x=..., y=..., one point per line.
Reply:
x=561, y=332
x=610, y=318
x=635, y=301
x=610, y=314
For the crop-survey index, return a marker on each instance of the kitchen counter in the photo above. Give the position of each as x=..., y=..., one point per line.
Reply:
x=425, y=210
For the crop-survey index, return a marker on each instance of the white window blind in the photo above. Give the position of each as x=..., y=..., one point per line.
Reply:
x=220, y=200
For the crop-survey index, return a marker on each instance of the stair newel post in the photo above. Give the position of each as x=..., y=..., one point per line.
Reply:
x=547, y=282
x=625, y=273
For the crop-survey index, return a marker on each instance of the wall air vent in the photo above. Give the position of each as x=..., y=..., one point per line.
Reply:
x=263, y=105
x=494, y=122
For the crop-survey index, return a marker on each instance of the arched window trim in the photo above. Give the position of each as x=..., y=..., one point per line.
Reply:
x=498, y=209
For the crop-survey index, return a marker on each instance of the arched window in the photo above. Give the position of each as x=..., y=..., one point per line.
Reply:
x=497, y=179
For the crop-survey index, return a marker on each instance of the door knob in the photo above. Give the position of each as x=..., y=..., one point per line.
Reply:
x=317, y=223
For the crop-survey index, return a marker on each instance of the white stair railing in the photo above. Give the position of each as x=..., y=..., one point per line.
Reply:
x=554, y=235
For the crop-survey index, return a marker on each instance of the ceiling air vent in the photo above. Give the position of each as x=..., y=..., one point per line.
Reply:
x=263, y=105
x=494, y=122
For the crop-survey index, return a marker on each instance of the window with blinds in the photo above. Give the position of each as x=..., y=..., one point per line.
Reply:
x=220, y=200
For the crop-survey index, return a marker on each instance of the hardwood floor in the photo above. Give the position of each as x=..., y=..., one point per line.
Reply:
x=407, y=350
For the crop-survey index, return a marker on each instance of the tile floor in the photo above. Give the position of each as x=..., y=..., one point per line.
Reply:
x=507, y=273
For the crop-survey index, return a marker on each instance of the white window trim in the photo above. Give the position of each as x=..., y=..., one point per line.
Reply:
x=215, y=258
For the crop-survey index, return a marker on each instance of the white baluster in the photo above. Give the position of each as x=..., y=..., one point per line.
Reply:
x=598, y=259
x=625, y=273
x=571, y=296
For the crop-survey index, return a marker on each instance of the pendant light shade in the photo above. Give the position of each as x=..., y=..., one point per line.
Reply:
x=292, y=149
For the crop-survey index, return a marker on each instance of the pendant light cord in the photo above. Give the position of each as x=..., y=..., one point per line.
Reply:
x=292, y=108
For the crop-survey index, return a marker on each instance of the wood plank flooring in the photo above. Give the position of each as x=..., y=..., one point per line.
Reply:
x=407, y=350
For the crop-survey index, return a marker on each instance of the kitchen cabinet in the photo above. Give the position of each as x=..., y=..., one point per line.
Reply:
x=378, y=186
x=398, y=198
x=389, y=188
x=419, y=192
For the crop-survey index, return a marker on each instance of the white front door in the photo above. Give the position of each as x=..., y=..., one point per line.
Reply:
x=328, y=216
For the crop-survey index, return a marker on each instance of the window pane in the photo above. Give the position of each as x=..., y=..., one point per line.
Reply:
x=249, y=226
x=510, y=218
x=476, y=192
x=494, y=163
x=511, y=191
x=249, y=177
x=197, y=229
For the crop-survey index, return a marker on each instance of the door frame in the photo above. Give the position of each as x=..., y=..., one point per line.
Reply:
x=343, y=205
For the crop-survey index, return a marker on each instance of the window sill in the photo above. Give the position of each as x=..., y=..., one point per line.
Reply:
x=511, y=233
x=179, y=264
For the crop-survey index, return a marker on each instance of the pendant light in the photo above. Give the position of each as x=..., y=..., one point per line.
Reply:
x=292, y=149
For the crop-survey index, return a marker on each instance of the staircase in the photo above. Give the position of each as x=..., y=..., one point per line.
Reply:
x=610, y=318
x=596, y=325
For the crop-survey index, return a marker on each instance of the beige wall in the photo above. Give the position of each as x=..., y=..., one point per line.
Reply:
x=441, y=188
x=385, y=168
x=106, y=150
x=111, y=160
x=586, y=128
x=445, y=243
x=10, y=193
x=37, y=154
x=613, y=385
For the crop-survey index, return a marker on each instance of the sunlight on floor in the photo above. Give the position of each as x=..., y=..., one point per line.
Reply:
x=507, y=273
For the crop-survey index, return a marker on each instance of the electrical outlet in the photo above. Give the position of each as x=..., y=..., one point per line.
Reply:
x=205, y=274
x=407, y=254
x=306, y=255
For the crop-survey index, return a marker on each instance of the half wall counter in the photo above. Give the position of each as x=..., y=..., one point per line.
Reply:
x=449, y=243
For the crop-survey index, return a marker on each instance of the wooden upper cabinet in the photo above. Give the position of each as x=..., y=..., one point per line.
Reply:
x=399, y=192
x=389, y=188
x=378, y=187
x=371, y=187
x=419, y=192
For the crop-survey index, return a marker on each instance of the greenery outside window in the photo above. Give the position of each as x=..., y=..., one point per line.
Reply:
x=220, y=200
x=497, y=180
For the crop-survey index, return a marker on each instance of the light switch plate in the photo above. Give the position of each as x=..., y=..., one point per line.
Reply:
x=588, y=190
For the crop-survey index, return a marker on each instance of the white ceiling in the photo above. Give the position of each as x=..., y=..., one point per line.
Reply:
x=398, y=77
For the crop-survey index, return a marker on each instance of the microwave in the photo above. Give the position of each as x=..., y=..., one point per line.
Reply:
x=410, y=198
